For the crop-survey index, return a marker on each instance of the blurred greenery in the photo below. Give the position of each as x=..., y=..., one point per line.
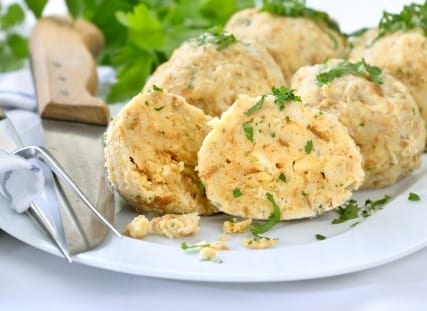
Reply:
x=139, y=34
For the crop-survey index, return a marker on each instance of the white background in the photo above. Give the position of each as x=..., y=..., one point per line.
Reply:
x=33, y=280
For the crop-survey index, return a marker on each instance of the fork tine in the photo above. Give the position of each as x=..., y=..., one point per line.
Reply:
x=37, y=213
x=44, y=155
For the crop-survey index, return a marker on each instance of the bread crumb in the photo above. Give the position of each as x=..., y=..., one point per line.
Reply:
x=139, y=227
x=176, y=226
x=260, y=243
x=232, y=226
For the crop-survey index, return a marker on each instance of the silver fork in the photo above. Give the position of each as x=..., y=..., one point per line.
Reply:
x=34, y=209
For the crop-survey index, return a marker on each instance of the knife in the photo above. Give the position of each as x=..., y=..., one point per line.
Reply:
x=74, y=122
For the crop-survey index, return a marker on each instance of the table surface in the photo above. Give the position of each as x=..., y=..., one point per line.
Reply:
x=34, y=280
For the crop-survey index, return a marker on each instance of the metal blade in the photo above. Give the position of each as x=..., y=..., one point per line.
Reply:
x=79, y=149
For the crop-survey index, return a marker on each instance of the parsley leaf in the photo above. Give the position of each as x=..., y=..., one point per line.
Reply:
x=414, y=197
x=13, y=46
x=352, y=210
x=349, y=211
x=256, y=107
x=218, y=36
x=237, y=193
x=282, y=95
x=282, y=177
x=320, y=237
x=13, y=16
x=274, y=218
x=157, y=88
x=359, y=69
x=297, y=8
x=412, y=16
x=36, y=6
x=308, y=146
x=185, y=246
x=248, y=130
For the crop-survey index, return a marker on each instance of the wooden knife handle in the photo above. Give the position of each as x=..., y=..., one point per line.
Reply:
x=64, y=73
x=90, y=34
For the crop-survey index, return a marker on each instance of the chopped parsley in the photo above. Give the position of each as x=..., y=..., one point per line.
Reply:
x=297, y=8
x=359, y=69
x=212, y=259
x=283, y=94
x=352, y=210
x=349, y=211
x=256, y=107
x=274, y=218
x=412, y=16
x=202, y=187
x=159, y=108
x=249, y=130
x=185, y=246
x=217, y=36
x=320, y=237
x=237, y=193
x=157, y=88
x=282, y=177
x=308, y=146
x=413, y=197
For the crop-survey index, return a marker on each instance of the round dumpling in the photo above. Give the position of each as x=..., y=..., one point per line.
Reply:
x=383, y=119
x=214, y=69
x=151, y=152
x=292, y=41
x=401, y=54
x=267, y=150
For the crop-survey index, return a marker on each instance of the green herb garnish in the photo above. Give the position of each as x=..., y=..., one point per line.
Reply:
x=349, y=211
x=297, y=8
x=218, y=36
x=283, y=94
x=308, y=146
x=185, y=246
x=159, y=108
x=352, y=210
x=359, y=69
x=274, y=218
x=412, y=16
x=202, y=187
x=249, y=130
x=212, y=259
x=157, y=88
x=413, y=197
x=282, y=177
x=320, y=237
x=237, y=193
x=256, y=107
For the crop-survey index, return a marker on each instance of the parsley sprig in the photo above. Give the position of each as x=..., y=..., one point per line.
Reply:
x=282, y=95
x=139, y=34
x=359, y=69
x=13, y=46
x=274, y=218
x=352, y=210
x=297, y=8
x=412, y=16
x=218, y=36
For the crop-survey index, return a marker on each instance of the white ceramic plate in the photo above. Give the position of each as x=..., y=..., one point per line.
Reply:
x=391, y=233
x=397, y=230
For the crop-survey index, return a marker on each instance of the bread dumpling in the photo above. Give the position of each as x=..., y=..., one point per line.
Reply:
x=382, y=118
x=211, y=71
x=266, y=149
x=151, y=152
x=292, y=41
